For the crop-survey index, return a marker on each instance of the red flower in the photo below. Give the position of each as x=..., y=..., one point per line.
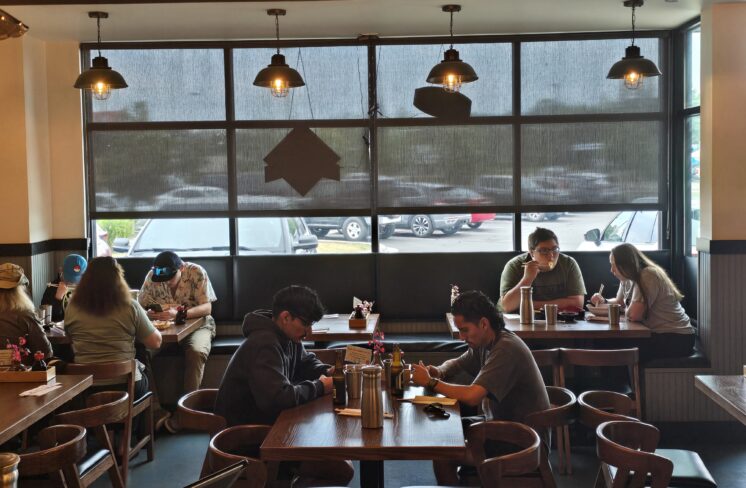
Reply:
x=21, y=341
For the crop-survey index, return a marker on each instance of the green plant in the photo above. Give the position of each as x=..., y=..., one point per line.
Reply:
x=118, y=228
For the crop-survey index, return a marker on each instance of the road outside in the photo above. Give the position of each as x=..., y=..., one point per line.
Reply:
x=492, y=235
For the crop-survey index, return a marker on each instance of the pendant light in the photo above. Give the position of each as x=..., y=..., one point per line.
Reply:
x=451, y=73
x=10, y=26
x=633, y=68
x=278, y=76
x=100, y=78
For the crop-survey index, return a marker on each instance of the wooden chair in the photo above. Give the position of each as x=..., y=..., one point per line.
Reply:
x=603, y=358
x=61, y=447
x=559, y=416
x=549, y=358
x=629, y=447
x=195, y=411
x=104, y=408
x=597, y=407
x=123, y=371
x=235, y=444
x=524, y=466
x=327, y=356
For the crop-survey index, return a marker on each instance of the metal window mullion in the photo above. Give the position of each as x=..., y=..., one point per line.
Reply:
x=230, y=141
x=517, y=150
x=373, y=145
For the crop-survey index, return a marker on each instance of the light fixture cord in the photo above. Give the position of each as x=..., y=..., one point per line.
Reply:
x=633, y=23
x=98, y=28
x=277, y=32
x=451, y=29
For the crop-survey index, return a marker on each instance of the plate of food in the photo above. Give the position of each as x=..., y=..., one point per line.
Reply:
x=163, y=324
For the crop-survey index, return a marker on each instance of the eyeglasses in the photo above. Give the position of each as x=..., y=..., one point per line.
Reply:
x=306, y=323
x=436, y=410
x=546, y=252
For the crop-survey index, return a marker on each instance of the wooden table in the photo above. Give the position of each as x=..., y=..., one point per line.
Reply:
x=727, y=391
x=313, y=432
x=173, y=334
x=580, y=329
x=339, y=329
x=19, y=413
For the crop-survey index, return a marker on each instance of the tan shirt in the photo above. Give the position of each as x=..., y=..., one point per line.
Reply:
x=15, y=324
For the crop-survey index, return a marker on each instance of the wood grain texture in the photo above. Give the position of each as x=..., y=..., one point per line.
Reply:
x=727, y=391
x=314, y=432
x=175, y=333
x=19, y=413
x=339, y=329
x=581, y=329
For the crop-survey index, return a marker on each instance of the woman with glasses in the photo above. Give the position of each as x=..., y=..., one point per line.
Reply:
x=650, y=297
x=555, y=277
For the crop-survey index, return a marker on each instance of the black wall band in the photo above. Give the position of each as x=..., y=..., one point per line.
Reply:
x=34, y=248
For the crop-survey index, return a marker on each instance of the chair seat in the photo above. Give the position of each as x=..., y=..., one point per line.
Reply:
x=688, y=469
x=90, y=460
x=139, y=401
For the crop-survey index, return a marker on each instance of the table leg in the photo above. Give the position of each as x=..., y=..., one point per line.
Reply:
x=371, y=474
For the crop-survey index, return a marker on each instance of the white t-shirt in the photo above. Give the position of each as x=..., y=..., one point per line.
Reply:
x=663, y=312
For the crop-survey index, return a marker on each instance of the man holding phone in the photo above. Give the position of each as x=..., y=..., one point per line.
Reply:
x=172, y=283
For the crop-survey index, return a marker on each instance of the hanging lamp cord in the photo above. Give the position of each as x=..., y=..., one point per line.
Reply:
x=451, y=29
x=277, y=32
x=633, y=23
x=98, y=28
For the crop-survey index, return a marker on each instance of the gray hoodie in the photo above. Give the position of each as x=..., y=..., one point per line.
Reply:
x=268, y=374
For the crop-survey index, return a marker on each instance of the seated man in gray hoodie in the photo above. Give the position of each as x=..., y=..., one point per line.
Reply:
x=272, y=371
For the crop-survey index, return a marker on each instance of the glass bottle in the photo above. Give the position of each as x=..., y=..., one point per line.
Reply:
x=339, y=392
x=397, y=367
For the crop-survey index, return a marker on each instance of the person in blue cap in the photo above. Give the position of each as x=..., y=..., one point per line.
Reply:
x=58, y=292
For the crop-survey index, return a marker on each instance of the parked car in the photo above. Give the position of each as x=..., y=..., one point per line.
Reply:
x=476, y=219
x=193, y=198
x=637, y=227
x=423, y=225
x=533, y=216
x=353, y=228
x=209, y=237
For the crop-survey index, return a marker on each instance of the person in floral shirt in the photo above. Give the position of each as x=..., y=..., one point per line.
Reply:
x=171, y=283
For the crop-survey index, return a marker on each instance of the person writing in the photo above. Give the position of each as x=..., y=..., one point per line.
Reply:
x=170, y=283
x=506, y=381
x=649, y=296
x=555, y=277
x=17, y=317
x=103, y=321
x=271, y=371
x=58, y=293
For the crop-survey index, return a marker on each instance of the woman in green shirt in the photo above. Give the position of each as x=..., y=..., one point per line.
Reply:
x=103, y=321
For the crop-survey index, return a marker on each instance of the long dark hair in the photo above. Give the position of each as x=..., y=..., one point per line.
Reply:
x=630, y=262
x=102, y=289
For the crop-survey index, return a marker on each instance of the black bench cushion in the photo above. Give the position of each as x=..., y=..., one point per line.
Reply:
x=688, y=469
x=696, y=360
x=413, y=343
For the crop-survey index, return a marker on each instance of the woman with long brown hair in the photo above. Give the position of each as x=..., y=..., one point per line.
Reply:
x=103, y=321
x=17, y=318
x=650, y=297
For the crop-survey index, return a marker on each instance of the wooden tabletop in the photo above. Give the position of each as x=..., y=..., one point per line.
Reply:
x=727, y=391
x=18, y=413
x=314, y=432
x=175, y=333
x=339, y=329
x=580, y=329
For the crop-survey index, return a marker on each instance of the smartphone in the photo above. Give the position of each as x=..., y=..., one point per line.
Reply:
x=154, y=307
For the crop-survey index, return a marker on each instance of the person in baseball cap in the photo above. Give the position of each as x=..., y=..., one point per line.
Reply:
x=165, y=266
x=60, y=290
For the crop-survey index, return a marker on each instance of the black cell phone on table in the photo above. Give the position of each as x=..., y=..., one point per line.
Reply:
x=155, y=307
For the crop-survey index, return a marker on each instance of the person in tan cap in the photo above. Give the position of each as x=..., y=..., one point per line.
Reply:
x=17, y=318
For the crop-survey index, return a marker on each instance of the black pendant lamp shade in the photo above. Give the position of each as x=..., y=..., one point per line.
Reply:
x=10, y=26
x=633, y=68
x=100, y=78
x=278, y=76
x=451, y=73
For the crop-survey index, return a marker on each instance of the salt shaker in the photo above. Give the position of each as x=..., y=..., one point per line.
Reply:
x=527, y=306
x=371, y=406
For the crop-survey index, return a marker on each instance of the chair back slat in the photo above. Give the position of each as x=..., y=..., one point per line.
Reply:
x=61, y=448
x=600, y=357
x=630, y=446
x=106, y=407
x=597, y=407
x=562, y=411
x=237, y=443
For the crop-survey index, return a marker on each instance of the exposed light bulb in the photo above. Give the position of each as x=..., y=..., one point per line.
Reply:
x=101, y=90
x=279, y=88
x=633, y=80
x=452, y=82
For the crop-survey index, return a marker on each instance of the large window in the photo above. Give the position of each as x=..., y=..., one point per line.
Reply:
x=691, y=138
x=548, y=143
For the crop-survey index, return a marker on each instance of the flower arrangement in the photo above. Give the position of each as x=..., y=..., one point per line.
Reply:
x=18, y=353
x=377, y=344
x=363, y=309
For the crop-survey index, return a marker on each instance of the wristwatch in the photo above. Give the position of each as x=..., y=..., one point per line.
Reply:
x=432, y=383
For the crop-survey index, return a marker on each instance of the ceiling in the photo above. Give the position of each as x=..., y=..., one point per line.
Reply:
x=341, y=18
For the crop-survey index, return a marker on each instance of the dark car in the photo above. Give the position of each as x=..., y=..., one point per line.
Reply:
x=353, y=228
x=209, y=237
x=423, y=225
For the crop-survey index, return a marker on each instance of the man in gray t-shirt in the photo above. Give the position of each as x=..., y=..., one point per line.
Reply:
x=506, y=381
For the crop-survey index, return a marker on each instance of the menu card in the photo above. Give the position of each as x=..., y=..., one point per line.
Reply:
x=359, y=355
